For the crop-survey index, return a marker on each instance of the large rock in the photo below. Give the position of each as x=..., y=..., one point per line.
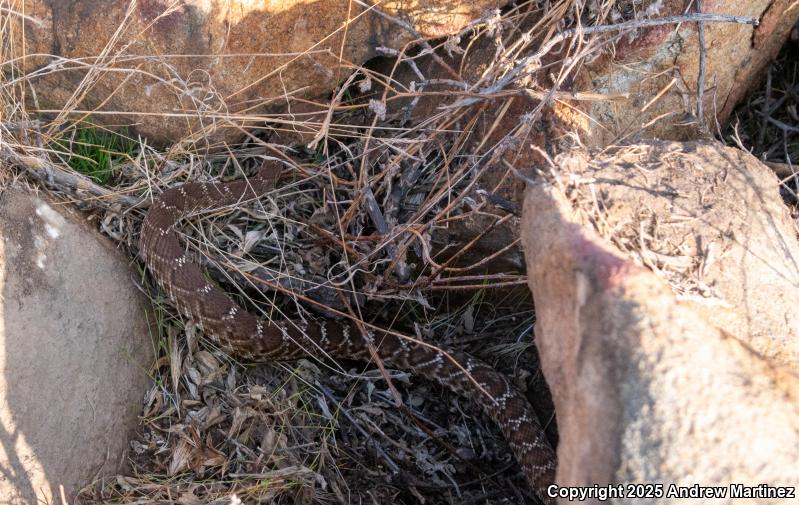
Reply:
x=75, y=351
x=193, y=65
x=682, y=377
x=659, y=69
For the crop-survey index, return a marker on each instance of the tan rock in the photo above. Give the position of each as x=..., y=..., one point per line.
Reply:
x=709, y=219
x=650, y=384
x=659, y=67
x=177, y=69
x=75, y=352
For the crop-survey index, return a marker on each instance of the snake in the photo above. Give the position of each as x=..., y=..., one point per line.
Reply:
x=266, y=340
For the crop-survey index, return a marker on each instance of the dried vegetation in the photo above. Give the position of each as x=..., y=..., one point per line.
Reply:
x=350, y=228
x=767, y=123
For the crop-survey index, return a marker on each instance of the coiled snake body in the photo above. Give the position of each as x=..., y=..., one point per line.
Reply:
x=245, y=335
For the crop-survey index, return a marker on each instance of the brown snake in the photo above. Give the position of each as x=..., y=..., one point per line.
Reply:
x=245, y=335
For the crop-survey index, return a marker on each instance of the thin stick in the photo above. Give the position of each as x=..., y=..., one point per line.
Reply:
x=700, y=80
x=473, y=287
x=761, y=135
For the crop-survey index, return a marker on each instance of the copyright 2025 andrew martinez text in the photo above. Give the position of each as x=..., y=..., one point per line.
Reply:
x=660, y=490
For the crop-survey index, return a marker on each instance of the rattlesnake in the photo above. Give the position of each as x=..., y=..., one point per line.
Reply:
x=260, y=340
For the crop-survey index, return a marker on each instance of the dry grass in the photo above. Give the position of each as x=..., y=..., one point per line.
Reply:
x=767, y=123
x=363, y=221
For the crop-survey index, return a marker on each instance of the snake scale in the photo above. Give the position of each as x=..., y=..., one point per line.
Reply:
x=252, y=338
